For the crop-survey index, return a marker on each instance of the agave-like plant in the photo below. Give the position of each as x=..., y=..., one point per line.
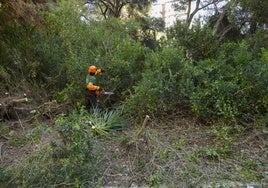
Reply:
x=104, y=122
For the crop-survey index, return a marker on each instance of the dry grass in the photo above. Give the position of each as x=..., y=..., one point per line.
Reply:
x=184, y=153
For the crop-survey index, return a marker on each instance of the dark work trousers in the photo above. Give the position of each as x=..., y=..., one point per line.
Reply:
x=91, y=100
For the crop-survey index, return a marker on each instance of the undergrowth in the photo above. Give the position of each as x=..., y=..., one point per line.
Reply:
x=70, y=161
x=180, y=153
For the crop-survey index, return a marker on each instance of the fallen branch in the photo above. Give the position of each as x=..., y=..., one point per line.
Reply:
x=5, y=137
x=19, y=100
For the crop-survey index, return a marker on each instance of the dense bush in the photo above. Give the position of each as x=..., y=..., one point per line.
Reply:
x=231, y=86
x=56, y=57
x=106, y=44
x=160, y=89
x=191, y=68
x=198, y=43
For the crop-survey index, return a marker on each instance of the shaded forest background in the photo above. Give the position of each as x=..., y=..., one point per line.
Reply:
x=215, y=72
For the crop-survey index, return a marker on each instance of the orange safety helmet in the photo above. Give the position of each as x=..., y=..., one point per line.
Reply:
x=92, y=69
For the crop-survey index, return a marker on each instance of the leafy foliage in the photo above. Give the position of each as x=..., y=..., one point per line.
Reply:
x=56, y=58
x=221, y=84
x=70, y=161
x=192, y=69
x=226, y=86
x=198, y=43
x=105, y=44
x=150, y=27
x=159, y=89
x=109, y=9
x=249, y=15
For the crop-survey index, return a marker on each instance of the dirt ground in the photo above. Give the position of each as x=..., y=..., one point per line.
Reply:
x=19, y=114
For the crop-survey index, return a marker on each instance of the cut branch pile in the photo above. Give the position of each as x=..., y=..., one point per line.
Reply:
x=18, y=108
x=48, y=110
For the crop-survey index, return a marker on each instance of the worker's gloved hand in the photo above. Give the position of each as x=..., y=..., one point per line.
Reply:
x=99, y=71
x=102, y=90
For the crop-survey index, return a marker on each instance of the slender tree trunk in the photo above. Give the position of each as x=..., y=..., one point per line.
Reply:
x=189, y=10
x=222, y=22
x=191, y=15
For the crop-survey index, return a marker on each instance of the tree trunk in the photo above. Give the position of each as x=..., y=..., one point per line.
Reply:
x=223, y=22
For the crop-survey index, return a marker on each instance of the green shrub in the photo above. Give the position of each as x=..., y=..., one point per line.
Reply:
x=231, y=86
x=69, y=161
x=56, y=57
x=105, y=44
x=198, y=43
x=160, y=88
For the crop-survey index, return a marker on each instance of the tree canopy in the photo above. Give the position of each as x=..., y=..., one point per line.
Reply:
x=114, y=8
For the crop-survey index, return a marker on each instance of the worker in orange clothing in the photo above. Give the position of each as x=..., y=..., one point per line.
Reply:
x=93, y=90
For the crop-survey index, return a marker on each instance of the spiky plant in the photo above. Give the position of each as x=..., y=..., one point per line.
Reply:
x=104, y=122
